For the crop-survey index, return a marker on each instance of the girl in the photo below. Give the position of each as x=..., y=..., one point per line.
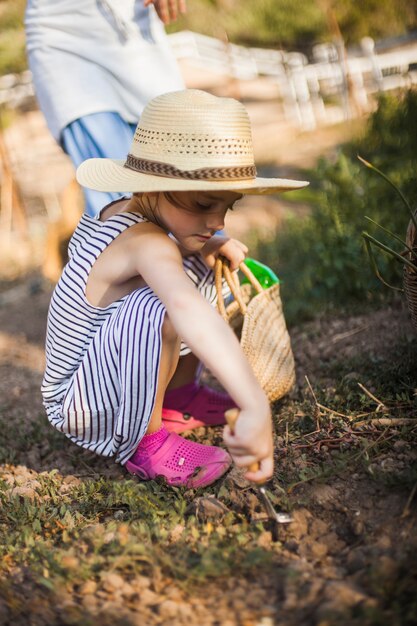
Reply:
x=139, y=281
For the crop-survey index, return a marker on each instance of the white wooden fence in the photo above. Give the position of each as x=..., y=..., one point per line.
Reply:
x=306, y=88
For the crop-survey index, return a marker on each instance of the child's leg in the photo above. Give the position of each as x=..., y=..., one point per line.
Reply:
x=160, y=453
x=186, y=371
x=170, y=353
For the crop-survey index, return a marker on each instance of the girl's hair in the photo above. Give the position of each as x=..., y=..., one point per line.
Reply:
x=147, y=204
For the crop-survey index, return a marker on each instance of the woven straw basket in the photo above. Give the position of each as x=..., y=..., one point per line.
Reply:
x=258, y=321
x=410, y=276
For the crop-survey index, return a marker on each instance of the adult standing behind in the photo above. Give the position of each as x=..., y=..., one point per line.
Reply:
x=95, y=64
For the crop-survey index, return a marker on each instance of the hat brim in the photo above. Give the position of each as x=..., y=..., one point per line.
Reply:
x=111, y=175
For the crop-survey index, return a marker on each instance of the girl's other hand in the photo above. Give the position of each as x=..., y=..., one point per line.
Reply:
x=251, y=442
x=168, y=10
x=235, y=251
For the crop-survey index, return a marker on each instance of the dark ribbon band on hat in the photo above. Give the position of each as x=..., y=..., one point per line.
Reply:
x=157, y=168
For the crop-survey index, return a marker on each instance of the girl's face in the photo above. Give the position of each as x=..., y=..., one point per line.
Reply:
x=193, y=217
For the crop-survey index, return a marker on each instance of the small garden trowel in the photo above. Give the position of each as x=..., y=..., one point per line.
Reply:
x=276, y=517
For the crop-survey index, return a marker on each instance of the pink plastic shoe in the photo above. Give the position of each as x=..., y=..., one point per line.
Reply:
x=177, y=422
x=193, y=405
x=181, y=462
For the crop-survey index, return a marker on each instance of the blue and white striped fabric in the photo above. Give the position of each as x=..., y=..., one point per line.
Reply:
x=102, y=364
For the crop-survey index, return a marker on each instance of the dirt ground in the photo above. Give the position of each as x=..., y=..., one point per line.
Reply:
x=349, y=555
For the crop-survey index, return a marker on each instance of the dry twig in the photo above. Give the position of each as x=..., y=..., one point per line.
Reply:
x=316, y=406
x=348, y=333
x=388, y=421
x=406, y=510
x=381, y=406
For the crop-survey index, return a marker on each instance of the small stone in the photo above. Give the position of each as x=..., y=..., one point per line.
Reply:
x=111, y=582
x=333, y=542
x=185, y=612
x=176, y=532
x=168, y=609
x=322, y=494
x=24, y=492
x=90, y=586
x=173, y=593
x=148, y=597
x=344, y=594
x=127, y=591
x=141, y=582
x=299, y=527
x=318, y=527
x=318, y=550
x=71, y=480
x=89, y=602
x=207, y=507
x=237, y=478
x=265, y=539
x=70, y=562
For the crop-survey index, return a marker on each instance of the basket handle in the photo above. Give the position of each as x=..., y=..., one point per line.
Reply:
x=222, y=268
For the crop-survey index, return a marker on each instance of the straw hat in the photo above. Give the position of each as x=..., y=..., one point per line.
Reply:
x=186, y=141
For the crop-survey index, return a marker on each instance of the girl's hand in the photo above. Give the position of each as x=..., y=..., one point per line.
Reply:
x=235, y=251
x=168, y=10
x=251, y=442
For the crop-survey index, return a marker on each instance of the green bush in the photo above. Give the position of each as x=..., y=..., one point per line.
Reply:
x=297, y=23
x=12, y=37
x=321, y=258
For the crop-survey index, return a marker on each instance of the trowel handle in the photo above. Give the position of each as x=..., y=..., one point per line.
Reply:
x=231, y=416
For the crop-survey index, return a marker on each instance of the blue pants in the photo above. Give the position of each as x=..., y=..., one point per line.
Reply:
x=102, y=135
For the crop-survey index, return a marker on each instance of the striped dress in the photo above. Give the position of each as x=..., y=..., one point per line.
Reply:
x=102, y=363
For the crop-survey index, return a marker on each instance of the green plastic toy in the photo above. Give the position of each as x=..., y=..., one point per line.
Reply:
x=262, y=272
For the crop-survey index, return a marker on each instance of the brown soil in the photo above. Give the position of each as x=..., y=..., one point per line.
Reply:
x=347, y=558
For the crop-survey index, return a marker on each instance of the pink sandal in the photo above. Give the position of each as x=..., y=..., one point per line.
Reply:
x=181, y=462
x=193, y=405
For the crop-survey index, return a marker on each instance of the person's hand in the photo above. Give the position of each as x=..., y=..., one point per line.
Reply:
x=251, y=442
x=235, y=251
x=168, y=10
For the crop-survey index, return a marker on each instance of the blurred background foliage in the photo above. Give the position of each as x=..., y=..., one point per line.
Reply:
x=12, y=37
x=331, y=269
x=298, y=23
x=295, y=24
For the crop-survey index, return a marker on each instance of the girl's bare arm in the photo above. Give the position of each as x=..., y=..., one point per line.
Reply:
x=158, y=260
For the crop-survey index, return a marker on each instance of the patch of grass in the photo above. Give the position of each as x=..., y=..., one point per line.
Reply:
x=126, y=527
x=329, y=429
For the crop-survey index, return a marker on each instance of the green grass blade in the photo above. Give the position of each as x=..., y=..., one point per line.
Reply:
x=393, y=185
x=389, y=232
x=388, y=250
x=375, y=266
